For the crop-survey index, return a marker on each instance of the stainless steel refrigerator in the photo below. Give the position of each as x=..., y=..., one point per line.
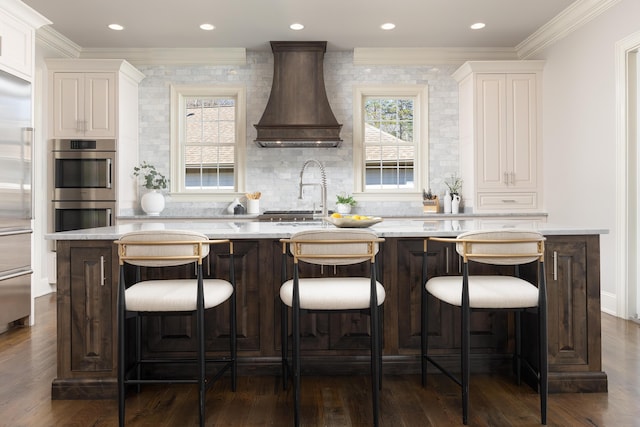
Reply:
x=16, y=145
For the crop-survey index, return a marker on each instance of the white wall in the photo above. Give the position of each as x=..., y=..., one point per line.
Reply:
x=579, y=131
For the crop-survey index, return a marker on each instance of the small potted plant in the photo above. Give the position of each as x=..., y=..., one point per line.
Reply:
x=344, y=203
x=454, y=186
x=152, y=202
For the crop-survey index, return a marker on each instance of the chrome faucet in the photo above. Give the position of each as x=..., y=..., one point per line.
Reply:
x=322, y=185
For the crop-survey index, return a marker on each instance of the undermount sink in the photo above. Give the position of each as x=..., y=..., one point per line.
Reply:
x=304, y=223
x=289, y=215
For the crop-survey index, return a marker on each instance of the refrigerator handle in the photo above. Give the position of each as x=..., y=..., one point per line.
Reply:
x=28, y=142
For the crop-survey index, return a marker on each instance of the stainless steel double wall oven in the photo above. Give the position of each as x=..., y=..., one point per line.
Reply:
x=84, y=187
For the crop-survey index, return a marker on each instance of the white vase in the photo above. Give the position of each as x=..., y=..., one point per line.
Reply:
x=343, y=208
x=447, y=202
x=152, y=202
x=455, y=204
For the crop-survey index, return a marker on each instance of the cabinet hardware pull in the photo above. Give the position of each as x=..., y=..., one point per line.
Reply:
x=505, y=178
x=102, y=278
x=555, y=265
x=446, y=259
x=508, y=201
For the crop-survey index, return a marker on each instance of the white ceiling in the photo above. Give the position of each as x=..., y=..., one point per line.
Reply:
x=344, y=24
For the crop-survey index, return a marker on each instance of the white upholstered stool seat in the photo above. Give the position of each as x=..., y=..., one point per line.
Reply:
x=485, y=291
x=175, y=295
x=336, y=293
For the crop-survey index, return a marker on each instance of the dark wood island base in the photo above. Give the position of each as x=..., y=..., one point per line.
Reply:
x=86, y=302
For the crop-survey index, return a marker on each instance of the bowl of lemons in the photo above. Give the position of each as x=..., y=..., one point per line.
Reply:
x=352, y=221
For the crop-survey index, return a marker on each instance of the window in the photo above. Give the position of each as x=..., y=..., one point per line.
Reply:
x=390, y=142
x=208, y=141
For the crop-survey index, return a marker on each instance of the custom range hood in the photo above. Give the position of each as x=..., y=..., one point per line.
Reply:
x=298, y=113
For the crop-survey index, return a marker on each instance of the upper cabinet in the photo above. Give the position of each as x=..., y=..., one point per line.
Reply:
x=500, y=149
x=84, y=105
x=18, y=24
x=92, y=98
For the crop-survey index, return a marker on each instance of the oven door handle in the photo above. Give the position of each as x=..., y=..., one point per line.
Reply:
x=109, y=174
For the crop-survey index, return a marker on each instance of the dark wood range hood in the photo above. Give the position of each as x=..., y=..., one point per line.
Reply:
x=298, y=113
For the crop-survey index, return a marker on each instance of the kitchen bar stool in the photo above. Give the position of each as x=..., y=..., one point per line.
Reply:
x=340, y=247
x=512, y=248
x=166, y=248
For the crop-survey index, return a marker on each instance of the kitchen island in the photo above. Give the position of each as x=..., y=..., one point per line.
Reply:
x=87, y=264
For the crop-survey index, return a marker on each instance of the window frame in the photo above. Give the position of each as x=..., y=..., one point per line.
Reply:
x=420, y=93
x=178, y=115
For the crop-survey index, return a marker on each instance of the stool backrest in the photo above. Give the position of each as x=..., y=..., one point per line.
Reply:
x=501, y=247
x=334, y=247
x=162, y=248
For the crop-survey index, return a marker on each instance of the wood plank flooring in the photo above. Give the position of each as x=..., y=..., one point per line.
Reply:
x=28, y=365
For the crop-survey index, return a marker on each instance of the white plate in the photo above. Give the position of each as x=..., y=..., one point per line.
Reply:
x=348, y=222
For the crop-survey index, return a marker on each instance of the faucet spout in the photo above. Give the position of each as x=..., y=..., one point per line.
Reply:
x=322, y=184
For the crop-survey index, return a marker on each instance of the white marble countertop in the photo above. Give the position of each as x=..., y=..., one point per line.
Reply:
x=277, y=230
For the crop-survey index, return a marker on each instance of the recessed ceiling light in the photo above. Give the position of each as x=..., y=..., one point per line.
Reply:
x=478, y=26
x=388, y=26
x=296, y=26
x=116, y=27
x=207, y=27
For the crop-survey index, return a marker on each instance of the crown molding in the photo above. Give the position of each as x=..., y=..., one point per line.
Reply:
x=55, y=44
x=171, y=56
x=24, y=13
x=563, y=24
x=429, y=56
x=60, y=46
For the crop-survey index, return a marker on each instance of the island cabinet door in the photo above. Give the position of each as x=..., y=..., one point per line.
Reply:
x=176, y=333
x=573, y=286
x=86, y=307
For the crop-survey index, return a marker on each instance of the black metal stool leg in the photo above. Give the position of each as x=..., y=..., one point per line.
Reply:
x=284, y=343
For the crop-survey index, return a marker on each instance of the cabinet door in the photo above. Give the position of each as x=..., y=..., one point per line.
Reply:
x=84, y=105
x=171, y=333
x=574, y=309
x=492, y=166
x=506, y=131
x=99, y=105
x=68, y=105
x=441, y=260
x=92, y=324
x=522, y=131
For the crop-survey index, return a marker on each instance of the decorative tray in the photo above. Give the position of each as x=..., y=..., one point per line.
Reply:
x=354, y=221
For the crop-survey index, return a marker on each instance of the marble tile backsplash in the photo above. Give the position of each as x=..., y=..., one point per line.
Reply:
x=275, y=172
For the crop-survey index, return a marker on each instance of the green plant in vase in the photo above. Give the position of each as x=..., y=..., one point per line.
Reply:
x=344, y=203
x=152, y=179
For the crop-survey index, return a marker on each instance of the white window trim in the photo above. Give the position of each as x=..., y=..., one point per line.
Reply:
x=178, y=93
x=421, y=170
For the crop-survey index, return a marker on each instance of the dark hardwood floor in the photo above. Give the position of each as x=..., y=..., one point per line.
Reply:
x=28, y=364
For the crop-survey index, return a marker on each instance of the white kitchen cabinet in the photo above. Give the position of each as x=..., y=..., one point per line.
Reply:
x=84, y=105
x=500, y=149
x=98, y=99
x=18, y=23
